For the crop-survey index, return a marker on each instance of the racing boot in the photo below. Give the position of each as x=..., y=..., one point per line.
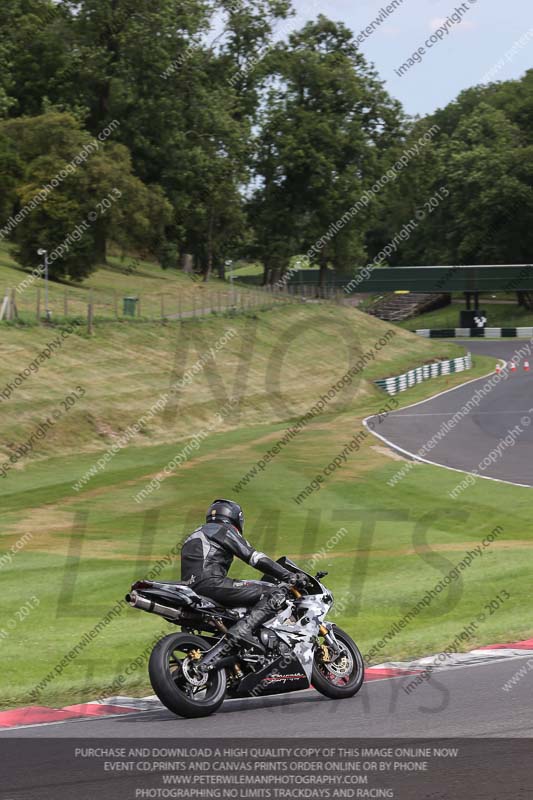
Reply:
x=242, y=633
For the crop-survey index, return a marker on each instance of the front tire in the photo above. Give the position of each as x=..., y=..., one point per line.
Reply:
x=342, y=676
x=175, y=681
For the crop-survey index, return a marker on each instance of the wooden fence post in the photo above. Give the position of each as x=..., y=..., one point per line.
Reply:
x=90, y=317
x=8, y=311
x=13, y=306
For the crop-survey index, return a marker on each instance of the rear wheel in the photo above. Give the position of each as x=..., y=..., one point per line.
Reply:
x=176, y=680
x=340, y=675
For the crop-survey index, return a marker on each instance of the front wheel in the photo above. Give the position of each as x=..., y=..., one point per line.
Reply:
x=177, y=682
x=341, y=675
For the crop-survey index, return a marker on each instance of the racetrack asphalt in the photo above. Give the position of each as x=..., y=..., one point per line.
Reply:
x=469, y=444
x=463, y=700
x=456, y=701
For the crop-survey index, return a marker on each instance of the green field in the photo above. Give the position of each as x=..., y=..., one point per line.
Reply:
x=499, y=315
x=87, y=546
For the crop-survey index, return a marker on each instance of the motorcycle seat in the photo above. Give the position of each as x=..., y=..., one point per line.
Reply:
x=206, y=602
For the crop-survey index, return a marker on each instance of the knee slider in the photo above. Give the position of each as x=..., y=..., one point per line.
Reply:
x=277, y=598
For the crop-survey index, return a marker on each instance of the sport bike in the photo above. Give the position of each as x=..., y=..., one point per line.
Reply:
x=193, y=670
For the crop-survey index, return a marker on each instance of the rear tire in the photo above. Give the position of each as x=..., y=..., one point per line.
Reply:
x=169, y=680
x=328, y=678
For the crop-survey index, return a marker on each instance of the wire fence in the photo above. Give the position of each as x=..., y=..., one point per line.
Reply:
x=36, y=304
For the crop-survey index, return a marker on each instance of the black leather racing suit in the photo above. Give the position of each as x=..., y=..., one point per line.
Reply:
x=207, y=555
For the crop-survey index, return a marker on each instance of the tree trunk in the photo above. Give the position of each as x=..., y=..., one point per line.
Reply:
x=111, y=44
x=209, y=266
x=100, y=243
x=322, y=275
x=186, y=262
x=526, y=300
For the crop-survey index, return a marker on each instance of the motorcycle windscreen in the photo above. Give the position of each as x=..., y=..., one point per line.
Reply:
x=286, y=563
x=289, y=565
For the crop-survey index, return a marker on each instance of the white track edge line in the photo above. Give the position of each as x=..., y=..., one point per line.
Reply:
x=436, y=463
x=446, y=668
x=412, y=675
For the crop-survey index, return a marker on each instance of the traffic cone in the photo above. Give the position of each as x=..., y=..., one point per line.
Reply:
x=526, y=366
x=498, y=368
x=513, y=366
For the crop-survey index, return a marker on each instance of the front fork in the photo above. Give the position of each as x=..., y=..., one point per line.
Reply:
x=331, y=643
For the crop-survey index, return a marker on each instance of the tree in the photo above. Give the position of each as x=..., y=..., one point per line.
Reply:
x=326, y=124
x=515, y=99
x=486, y=169
x=11, y=170
x=417, y=240
x=151, y=65
x=489, y=175
x=33, y=55
x=85, y=200
x=481, y=155
x=185, y=95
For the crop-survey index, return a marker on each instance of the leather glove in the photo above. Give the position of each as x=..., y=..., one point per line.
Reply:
x=298, y=580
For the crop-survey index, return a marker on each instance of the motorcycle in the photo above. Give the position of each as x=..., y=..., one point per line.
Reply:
x=193, y=671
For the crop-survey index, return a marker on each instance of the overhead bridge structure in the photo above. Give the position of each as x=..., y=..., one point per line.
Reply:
x=471, y=280
x=450, y=279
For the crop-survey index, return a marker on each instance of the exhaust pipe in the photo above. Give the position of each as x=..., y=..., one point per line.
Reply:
x=136, y=601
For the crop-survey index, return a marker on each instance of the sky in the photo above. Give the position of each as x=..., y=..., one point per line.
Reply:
x=474, y=41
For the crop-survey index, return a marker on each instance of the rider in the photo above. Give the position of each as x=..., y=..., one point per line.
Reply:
x=206, y=557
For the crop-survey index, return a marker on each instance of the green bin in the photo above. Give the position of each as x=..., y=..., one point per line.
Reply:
x=130, y=306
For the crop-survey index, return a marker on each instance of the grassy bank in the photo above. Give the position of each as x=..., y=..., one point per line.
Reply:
x=160, y=292
x=87, y=546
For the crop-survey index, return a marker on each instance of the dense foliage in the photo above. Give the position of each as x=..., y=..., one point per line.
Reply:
x=231, y=138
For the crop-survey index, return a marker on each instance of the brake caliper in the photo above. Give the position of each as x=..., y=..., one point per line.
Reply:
x=325, y=654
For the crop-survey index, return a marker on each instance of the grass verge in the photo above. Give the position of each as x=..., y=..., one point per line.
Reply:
x=504, y=315
x=86, y=547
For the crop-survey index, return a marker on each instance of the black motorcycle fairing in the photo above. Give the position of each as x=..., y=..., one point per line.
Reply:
x=175, y=595
x=277, y=677
x=202, y=614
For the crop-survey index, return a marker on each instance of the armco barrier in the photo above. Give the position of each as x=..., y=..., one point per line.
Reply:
x=475, y=333
x=399, y=383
